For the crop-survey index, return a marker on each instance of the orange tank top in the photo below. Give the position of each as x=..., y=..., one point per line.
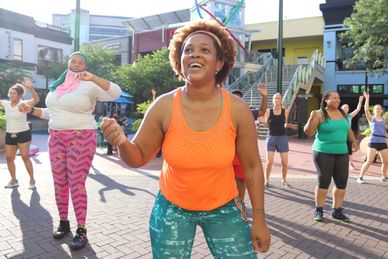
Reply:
x=197, y=172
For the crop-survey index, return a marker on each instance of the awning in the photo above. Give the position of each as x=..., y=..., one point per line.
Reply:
x=155, y=22
x=125, y=94
x=121, y=100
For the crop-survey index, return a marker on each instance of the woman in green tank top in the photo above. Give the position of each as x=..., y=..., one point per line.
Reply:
x=330, y=153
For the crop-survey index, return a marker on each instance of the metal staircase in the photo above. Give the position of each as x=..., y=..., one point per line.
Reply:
x=296, y=79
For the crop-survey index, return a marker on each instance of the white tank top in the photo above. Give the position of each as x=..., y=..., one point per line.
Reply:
x=16, y=121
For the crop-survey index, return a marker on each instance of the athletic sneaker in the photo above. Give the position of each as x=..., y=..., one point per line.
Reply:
x=384, y=179
x=318, y=214
x=79, y=240
x=338, y=214
x=360, y=179
x=285, y=184
x=32, y=186
x=12, y=184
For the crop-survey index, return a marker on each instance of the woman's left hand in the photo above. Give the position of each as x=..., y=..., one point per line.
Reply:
x=24, y=107
x=27, y=83
x=86, y=76
x=261, y=237
x=292, y=126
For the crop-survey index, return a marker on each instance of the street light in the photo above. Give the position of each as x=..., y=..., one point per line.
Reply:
x=77, y=25
x=279, y=71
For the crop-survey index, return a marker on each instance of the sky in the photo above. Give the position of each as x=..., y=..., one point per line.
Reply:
x=255, y=10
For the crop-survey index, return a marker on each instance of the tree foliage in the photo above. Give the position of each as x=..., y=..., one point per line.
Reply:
x=368, y=32
x=9, y=75
x=149, y=71
x=100, y=61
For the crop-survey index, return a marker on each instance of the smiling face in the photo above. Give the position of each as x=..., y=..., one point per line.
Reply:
x=333, y=100
x=377, y=110
x=77, y=63
x=199, y=59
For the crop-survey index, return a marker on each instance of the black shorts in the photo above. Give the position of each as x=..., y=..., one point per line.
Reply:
x=378, y=146
x=17, y=138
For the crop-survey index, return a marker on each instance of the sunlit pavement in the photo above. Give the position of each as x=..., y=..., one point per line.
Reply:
x=120, y=201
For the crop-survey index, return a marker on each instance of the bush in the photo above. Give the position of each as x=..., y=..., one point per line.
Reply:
x=141, y=110
x=2, y=120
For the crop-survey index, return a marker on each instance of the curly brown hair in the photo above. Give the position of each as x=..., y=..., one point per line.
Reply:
x=227, y=53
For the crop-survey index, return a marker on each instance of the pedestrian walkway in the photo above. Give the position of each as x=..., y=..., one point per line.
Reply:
x=120, y=200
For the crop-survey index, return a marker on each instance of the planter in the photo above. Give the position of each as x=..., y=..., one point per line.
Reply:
x=2, y=139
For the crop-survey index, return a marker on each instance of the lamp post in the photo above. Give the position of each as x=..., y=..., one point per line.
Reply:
x=279, y=71
x=77, y=25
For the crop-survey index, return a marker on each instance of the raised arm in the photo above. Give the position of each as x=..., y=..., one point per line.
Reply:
x=366, y=107
x=358, y=108
x=313, y=122
x=264, y=95
x=35, y=97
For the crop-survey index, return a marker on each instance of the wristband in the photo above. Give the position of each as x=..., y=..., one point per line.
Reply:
x=32, y=110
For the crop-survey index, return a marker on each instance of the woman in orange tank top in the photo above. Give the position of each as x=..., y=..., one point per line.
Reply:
x=200, y=127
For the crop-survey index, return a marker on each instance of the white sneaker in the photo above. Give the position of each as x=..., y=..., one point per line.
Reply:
x=384, y=179
x=360, y=180
x=285, y=184
x=12, y=184
x=32, y=186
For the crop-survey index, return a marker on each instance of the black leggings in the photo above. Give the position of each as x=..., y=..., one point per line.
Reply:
x=331, y=165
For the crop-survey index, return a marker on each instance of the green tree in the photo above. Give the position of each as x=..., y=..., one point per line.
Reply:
x=100, y=61
x=9, y=75
x=368, y=32
x=141, y=110
x=152, y=71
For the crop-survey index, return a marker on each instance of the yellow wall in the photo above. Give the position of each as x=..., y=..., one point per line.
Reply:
x=301, y=37
x=314, y=102
x=294, y=28
x=296, y=47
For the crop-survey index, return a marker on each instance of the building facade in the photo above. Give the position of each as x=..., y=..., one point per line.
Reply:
x=92, y=27
x=349, y=81
x=31, y=45
x=301, y=37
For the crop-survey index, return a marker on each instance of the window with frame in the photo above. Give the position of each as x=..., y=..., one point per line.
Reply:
x=48, y=56
x=18, y=49
x=358, y=89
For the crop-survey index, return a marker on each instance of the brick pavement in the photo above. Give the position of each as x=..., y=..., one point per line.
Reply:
x=120, y=200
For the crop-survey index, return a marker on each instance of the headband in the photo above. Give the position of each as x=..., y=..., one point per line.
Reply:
x=212, y=35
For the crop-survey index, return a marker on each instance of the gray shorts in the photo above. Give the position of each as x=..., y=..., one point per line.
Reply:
x=277, y=143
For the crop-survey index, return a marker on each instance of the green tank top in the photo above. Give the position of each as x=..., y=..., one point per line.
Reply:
x=331, y=137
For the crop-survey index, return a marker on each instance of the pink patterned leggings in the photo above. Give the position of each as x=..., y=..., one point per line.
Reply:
x=71, y=155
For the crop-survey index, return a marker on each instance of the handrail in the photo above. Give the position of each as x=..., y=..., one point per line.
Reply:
x=302, y=75
x=248, y=79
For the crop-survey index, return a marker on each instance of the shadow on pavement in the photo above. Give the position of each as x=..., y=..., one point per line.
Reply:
x=35, y=226
x=318, y=243
x=111, y=185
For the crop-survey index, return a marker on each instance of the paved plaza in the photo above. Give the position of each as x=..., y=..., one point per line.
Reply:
x=120, y=200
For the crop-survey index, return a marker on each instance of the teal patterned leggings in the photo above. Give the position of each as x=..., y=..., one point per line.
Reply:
x=226, y=230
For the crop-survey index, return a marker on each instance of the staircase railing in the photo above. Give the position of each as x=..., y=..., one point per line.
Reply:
x=302, y=77
x=245, y=82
